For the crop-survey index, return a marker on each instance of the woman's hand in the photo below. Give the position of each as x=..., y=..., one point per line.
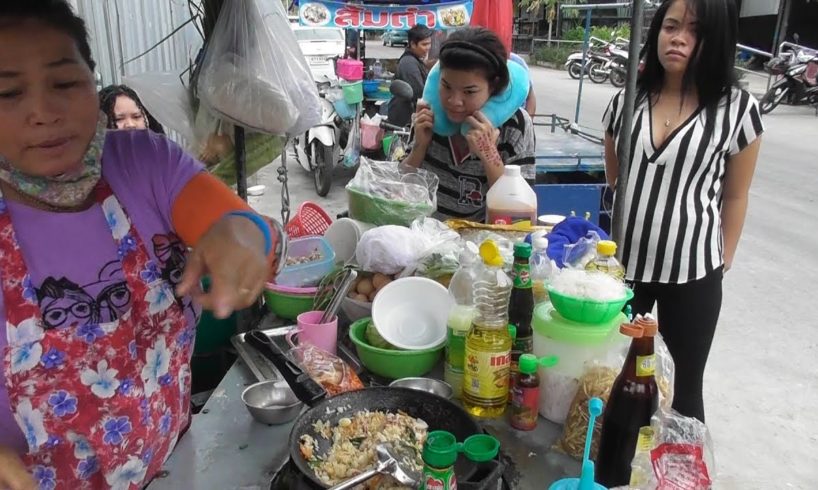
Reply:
x=424, y=122
x=482, y=139
x=13, y=473
x=232, y=254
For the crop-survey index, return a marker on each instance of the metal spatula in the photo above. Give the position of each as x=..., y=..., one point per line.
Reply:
x=391, y=461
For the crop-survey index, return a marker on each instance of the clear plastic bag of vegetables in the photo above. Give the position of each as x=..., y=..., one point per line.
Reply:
x=390, y=193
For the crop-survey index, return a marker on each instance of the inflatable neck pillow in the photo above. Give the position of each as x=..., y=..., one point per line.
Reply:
x=499, y=108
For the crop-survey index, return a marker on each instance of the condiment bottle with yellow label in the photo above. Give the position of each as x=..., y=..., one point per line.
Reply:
x=634, y=398
x=487, y=360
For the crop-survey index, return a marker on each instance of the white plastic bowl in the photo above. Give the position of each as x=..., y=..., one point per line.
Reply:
x=550, y=219
x=411, y=312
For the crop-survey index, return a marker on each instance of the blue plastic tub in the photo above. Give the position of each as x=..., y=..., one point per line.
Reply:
x=371, y=87
x=344, y=110
x=310, y=273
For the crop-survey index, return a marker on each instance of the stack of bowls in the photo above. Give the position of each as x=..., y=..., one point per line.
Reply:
x=289, y=302
x=410, y=315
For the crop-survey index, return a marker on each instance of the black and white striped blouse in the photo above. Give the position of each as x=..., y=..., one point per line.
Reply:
x=672, y=211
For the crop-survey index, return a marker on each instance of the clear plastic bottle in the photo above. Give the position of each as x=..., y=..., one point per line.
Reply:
x=541, y=270
x=606, y=260
x=488, y=344
x=377, y=70
x=460, y=318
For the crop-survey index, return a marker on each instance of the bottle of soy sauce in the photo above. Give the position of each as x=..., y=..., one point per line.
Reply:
x=521, y=306
x=634, y=398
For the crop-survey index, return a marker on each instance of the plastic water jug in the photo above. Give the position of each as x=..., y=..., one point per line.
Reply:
x=511, y=199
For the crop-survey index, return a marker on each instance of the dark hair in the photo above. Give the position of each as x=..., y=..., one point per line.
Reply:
x=477, y=48
x=58, y=14
x=711, y=69
x=419, y=33
x=107, y=102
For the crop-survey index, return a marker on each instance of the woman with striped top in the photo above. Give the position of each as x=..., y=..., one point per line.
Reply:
x=472, y=69
x=694, y=144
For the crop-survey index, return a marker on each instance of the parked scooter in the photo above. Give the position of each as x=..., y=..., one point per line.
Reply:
x=619, y=66
x=798, y=83
x=595, y=58
x=319, y=144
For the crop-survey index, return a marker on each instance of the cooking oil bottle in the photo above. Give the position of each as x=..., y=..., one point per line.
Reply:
x=488, y=343
x=606, y=260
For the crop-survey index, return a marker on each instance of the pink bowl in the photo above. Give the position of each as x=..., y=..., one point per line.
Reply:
x=271, y=286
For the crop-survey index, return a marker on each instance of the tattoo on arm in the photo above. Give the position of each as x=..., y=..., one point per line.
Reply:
x=489, y=152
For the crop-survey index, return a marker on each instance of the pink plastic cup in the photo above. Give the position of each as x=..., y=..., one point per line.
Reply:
x=321, y=335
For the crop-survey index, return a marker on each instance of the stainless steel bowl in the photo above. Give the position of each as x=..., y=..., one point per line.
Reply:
x=430, y=385
x=271, y=402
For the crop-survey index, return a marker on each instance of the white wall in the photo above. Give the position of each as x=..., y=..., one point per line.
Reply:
x=752, y=8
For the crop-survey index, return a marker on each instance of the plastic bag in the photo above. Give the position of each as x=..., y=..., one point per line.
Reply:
x=328, y=370
x=579, y=254
x=388, y=249
x=596, y=381
x=371, y=132
x=167, y=99
x=390, y=193
x=253, y=73
x=680, y=458
x=352, y=152
x=441, y=256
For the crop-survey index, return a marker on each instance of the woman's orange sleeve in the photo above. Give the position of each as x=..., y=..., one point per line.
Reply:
x=201, y=202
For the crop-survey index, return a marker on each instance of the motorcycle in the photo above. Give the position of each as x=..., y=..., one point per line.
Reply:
x=320, y=144
x=619, y=67
x=594, y=61
x=798, y=83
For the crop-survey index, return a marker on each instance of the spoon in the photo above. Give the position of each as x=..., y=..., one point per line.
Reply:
x=390, y=462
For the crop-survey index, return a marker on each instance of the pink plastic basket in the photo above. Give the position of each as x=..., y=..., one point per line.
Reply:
x=350, y=70
x=371, y=136
x=310, y=220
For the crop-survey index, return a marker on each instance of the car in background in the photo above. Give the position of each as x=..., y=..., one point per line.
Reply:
x=319, y=46
x=393, y=38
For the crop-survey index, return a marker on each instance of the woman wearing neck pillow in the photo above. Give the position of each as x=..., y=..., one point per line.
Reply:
x=469, y=124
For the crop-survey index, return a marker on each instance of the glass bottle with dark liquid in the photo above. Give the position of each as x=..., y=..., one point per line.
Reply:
x=521, y=308
x=634, y=398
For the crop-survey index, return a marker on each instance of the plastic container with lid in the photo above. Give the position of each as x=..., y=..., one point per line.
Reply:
x=511, y=199
x=309, y=273
x=575, y=344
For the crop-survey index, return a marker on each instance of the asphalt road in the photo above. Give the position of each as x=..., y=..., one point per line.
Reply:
x=761, y=385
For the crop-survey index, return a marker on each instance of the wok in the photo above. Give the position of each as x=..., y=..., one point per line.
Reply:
x=438, y=413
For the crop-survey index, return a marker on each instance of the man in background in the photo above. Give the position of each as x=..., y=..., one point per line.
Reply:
x=412, y=70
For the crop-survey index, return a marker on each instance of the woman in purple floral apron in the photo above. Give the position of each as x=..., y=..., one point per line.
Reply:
x=97, y=311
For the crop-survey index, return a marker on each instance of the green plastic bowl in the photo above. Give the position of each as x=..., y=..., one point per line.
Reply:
x=582, y=310
x=288, y=306
x=379, y=211
x=392, y=364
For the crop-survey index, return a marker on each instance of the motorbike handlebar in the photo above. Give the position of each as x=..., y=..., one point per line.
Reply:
x=392, y=127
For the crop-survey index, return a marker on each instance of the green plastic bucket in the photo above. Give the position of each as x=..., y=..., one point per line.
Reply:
x=353, y=92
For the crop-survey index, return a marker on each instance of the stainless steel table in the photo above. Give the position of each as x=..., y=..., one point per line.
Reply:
x=226, y=449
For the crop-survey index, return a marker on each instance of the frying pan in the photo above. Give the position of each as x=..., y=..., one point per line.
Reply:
x=438, y=413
